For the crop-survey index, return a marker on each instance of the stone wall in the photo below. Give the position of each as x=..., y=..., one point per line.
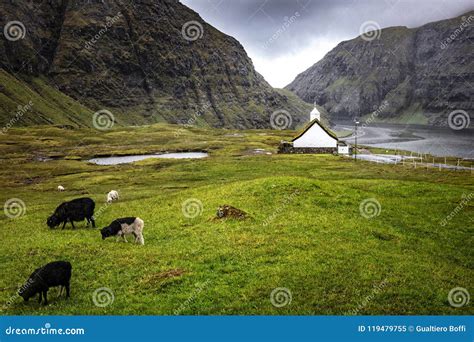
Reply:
x=286, y=147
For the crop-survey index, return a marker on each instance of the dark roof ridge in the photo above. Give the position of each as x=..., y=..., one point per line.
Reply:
x=328, y=131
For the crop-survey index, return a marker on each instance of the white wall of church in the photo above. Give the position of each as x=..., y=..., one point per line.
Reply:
x=315, y=137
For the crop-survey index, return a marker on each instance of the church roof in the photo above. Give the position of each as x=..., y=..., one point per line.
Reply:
x=315, y=111
x=316, y=122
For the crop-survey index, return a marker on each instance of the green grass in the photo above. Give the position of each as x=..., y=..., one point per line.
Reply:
x=305, y=233
x=47, y=103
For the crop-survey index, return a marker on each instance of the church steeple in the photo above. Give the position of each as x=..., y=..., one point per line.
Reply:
x=315, y=114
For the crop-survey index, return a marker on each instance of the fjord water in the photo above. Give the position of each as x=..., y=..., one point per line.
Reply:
x=437, y=141
x=134, y=158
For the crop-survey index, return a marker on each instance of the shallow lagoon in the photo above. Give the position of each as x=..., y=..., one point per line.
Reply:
x=133, y=158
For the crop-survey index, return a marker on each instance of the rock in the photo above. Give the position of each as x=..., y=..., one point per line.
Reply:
x=228, y=211
x=421, y=74
x=133, y=59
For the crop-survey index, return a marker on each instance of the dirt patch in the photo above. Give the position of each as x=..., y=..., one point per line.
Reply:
x=31, y=180
x=32, y=252
x=227, y=211
x=163, y=278
x=384, y=236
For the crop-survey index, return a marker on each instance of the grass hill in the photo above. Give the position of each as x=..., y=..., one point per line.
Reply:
x=306, y=232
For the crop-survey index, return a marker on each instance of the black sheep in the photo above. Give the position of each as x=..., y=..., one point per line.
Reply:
x=75, y=210
x=125, y=225
x=57, y=273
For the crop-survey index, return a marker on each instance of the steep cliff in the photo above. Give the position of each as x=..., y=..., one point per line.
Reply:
x=145, y=61
x=413, y=75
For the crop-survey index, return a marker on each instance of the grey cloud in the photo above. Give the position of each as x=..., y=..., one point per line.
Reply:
x=254, y=22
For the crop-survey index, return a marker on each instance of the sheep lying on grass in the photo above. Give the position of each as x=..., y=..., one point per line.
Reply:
x=57, y=273
x=126, y=225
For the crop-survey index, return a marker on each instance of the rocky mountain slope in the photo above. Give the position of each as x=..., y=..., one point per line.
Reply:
x=145, y=61
x=405, y=75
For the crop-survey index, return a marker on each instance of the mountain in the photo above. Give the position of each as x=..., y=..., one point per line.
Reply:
x=405, y=75
x=144, y=61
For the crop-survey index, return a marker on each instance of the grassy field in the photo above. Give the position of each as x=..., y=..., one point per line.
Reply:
x=306, y=233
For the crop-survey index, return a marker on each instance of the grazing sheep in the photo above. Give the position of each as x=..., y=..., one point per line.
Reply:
x=112, y=196
x=60, y=188
x=125, y=225
x=75, y=210
x=57, y=273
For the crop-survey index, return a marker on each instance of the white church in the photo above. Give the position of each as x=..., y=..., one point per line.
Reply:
x=315, y=138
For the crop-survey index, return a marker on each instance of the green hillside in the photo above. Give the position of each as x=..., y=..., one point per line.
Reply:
x=47, y=104
x=307, y=232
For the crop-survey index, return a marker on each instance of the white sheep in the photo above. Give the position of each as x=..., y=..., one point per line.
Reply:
x=112, y=196
x=60, y=188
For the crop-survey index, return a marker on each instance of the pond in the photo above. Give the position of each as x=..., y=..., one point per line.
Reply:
x=133, y=158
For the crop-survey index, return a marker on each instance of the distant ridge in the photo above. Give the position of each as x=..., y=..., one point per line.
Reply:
x=404, y=75
x=144, y=61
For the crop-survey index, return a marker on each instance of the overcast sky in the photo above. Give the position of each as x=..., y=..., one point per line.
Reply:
x=313, y=27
